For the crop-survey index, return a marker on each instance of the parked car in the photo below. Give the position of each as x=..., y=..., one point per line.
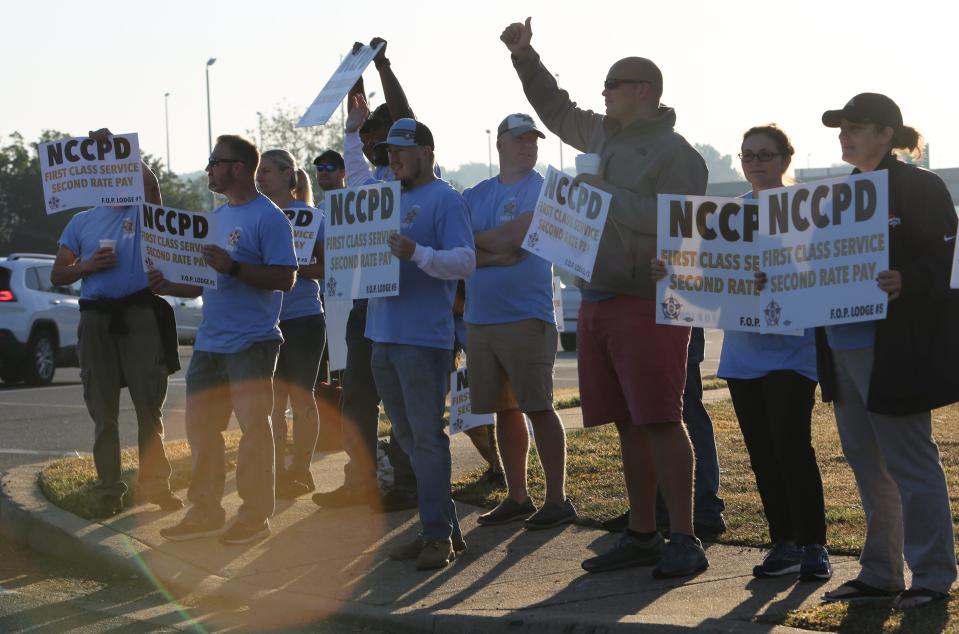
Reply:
x=38, y=321
x=189, y=314
x=571, y=300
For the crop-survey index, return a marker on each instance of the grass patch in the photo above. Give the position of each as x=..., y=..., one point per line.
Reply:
x=68, y=482
x=838, y=617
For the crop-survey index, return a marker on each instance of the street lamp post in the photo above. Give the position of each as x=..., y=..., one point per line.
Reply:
x=209, y=121
x=489, y=152
x=166, y=116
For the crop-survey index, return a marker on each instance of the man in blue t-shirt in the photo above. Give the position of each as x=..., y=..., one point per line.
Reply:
x=236, y=349
x=121, y=343
x=512, y=337
x=412, y=334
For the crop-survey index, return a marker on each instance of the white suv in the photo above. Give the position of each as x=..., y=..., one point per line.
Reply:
x=38, y=321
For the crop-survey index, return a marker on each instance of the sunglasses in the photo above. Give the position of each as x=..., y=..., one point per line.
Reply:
x=764, y=156
x=213, y=161
x=612, y=83
x=326, y=167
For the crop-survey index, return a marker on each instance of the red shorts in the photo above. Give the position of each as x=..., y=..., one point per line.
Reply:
x=631, y=369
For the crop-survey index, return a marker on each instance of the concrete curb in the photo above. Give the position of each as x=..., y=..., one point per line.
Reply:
x=27, y=518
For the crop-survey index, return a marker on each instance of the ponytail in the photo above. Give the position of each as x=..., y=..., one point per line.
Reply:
x=908, y=141
x=302, y=188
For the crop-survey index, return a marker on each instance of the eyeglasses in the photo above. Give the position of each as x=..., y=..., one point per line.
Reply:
x=326, y=167
x=612, y=83
x=764, y=156
x=213, y=161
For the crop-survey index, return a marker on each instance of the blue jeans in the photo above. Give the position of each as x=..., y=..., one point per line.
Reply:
x=216, y=385
x=412, y=383
x=296, y=370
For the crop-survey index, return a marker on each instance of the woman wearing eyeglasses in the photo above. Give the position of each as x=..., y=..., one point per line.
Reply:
x=772, y=381
x=304, y=334
x=885, y=376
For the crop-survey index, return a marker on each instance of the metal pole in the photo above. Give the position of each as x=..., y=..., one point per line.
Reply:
x=489, y=152
x=166, y=113
x=209, y=121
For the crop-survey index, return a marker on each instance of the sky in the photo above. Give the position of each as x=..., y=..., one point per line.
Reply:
x=76, y=66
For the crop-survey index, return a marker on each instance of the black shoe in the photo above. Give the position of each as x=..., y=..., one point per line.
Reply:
x=187, y=530
x=784, y=558
x=616, y=524
x=509, y=510
x=290, y=485
x=106, y=506
x=166, y=501
x=550, y=515
x=345, y=496
x=683, y=557
x=398, y=500
x=815, y=564
x=240, y=534
x=629, y=551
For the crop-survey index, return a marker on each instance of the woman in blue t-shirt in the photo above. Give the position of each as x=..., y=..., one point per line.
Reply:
x=304, y=334
x=772, y=381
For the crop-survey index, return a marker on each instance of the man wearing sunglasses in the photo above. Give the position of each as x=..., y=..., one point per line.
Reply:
x=236, y=349
x=631, y=371
x=330, y=170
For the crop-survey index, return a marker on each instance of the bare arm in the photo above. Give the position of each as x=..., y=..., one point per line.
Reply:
x=314, y=271
x=505, y=238
x=392, y=90
x=68, y=268
x=268, y=277
x=162, y=286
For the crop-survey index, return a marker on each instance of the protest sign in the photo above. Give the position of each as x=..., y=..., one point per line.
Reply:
x=337, y=313
x=306, y=223
x=172, y=241
x=821, y=245
x=338, y=86
x=708, y=245
x=558, y=304
x=568, y=223
x=461, y=414
x=85, y=172
x=359, y=222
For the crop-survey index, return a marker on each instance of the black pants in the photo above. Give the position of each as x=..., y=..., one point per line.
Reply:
x=775, y=416
x=361, y=410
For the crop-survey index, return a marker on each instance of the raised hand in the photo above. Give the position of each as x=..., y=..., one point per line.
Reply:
x=359, y=112
x=517, y=38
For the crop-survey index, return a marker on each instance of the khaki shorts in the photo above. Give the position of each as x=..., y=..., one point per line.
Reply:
x=511, y=366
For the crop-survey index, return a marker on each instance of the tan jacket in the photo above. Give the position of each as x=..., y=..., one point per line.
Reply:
x=638, y=162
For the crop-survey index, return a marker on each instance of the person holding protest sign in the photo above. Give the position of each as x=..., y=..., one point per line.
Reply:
x=412, y=334
x=330, y=174
x=512, y=335
x=304, y=333
x=772, y=381
x=632, y=372
x=360, y=397
x=885, y=376
x=127, y=337
x=236, y=349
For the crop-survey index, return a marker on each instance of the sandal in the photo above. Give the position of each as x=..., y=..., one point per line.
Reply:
x=856, y=590
x=917, y=598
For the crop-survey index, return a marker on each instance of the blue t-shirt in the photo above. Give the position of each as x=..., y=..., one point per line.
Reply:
x=236, y=315
x=82, y=235
x=851, y=336
x=433, y=215
x=750, y=355
x=503, y=294
x=303, y=299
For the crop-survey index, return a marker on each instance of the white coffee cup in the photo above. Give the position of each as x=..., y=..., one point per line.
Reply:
x=588, y=164
x=108, y=244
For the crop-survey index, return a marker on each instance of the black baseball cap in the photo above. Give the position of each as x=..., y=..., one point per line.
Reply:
x=867, y=107
x=379, y=118
x=330, y=156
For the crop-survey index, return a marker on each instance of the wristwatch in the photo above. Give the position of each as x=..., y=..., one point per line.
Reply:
x=234, y=269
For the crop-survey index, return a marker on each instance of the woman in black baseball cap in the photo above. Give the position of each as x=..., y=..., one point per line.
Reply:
x=886, y=376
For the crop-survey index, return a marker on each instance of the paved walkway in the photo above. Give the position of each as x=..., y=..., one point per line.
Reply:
x=332, y=563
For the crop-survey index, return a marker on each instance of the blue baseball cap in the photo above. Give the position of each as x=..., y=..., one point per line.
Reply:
x=407, y=133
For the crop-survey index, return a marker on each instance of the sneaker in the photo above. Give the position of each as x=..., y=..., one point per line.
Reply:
x=784, y=558
x=684, y=556
x=343, y=496
x=166, y=501
x=552, y=514
x=629, y=551
x=188, y=529
x=509, y=510
x=436, y=553
x=411, y=550
x=290, y=485
x=239, y=534
x=616, y=524
x=397, y=500
x=815, y=564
